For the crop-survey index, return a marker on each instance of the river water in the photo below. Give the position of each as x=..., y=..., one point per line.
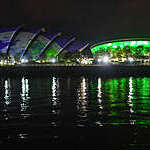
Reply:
x=80, y=111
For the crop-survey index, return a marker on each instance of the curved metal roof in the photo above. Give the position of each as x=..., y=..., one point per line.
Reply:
x=120, y=40
x=32, y=42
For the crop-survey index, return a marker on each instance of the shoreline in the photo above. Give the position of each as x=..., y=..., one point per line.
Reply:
x=76, y=70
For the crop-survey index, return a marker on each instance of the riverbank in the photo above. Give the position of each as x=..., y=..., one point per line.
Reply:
x=94, y=70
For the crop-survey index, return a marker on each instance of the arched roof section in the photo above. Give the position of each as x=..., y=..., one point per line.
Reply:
x=20, y=42
x=76, y=46
x=66, y=45
x=51, y=40
x=5, y=35
x=36, y=47
x=33, y=38
x=11, y=40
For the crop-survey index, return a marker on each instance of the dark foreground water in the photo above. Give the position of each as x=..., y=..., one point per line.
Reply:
x=75, y=112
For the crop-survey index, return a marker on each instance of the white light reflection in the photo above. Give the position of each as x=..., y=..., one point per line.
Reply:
x=54, y=90
x=99, y=93
x=82, y=94
x=55, y=95
x=130, y=97
x=7, y=92
x=99, y=98
x=83, y=88
x=25, y=94
x=23, y=136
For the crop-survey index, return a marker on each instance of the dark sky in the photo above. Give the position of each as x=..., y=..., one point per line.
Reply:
x=92, y=20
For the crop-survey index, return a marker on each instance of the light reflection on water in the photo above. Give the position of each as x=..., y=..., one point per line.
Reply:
x=82, y=101
x=25, y=97
x=110, y=101
x=89, y=102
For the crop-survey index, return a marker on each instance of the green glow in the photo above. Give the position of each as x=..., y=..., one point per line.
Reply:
x=38, y=46
x=35, y=49
x=131, y=46
x=52, y=51
x=123, y=100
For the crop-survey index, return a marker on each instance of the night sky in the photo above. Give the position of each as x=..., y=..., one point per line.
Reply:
x=91, y=20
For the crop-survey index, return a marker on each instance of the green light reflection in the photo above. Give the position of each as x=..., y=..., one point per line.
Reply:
x=123, y=101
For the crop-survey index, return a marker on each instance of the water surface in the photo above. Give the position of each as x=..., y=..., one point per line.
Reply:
x=112, y=112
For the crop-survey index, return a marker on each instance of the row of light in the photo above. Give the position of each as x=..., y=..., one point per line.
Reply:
x=53, y=60
x=106, y=59
x=22, y=61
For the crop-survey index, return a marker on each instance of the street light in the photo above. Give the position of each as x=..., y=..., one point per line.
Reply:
x=131, y=59
x=23, y=60
x=53, y=60
x=105, y=59
x=99, y=60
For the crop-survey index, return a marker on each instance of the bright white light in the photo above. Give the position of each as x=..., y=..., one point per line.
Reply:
x=109, y=44
x=130, y=103
x=25, y=95
x=53, y=60
x=105, y=59
x=54, y=91
x=24, y=60
x=99, y=93
x=83, y=95
x=146, y=60
x=5, y=62
x=131, y=59
x=114, y=46
x=7, y=92
x=99, y=60
x=133, y=43
x=84, y=61
x=140, y=42
x=145, y=42
x=83, y=89
x=130, y=96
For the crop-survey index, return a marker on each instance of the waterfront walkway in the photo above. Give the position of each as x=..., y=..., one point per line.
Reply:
x=94, y=70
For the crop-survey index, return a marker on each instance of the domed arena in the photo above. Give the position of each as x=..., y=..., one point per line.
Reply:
x=122, y=50
x=22, y=45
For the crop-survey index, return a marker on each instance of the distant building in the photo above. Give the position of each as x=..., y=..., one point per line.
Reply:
x=123, y=50
x=24, y=45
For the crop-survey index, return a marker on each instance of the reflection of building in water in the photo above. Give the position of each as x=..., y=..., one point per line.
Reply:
x=7, y=91
x=99, y=99
x=130, y=97
x=83, y=88
x=115, y=96
x=82, y=97
x=55, y=91
x=99, y=93
x=25, y=94
x=55, y=86
x=141, y=100
x=12, y=97
x=122, y=92
x=39, y=88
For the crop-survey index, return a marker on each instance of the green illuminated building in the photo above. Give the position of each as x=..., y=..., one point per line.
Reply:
x=137, y=48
